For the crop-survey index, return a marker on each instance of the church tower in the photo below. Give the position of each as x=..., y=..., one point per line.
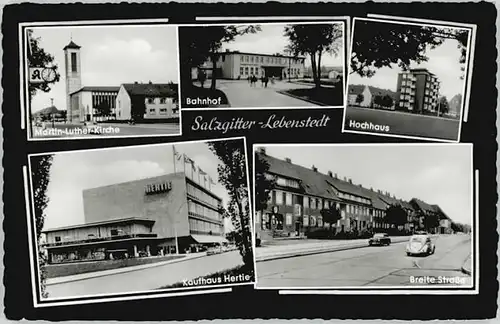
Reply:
x=73, y=80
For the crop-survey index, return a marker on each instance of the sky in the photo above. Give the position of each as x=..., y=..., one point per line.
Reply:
x=271, y=40
x=443, y=62
x=110, y=56
x=436, y=174
x=73, y=172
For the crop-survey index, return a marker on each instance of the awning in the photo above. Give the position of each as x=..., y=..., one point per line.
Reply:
x=204, y=239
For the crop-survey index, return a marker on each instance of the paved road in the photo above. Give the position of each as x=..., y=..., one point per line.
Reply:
x=147, y=279
x=370, y=266
x=241, y=95
x=401, y=123
x=114, y=130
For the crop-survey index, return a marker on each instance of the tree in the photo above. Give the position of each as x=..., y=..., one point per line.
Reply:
x=443, y=105
x=387, y=101
x=431, y=221
x=40, y=174
x=331, y=215
x=315, y=41
x=389, y=44
x=395, y=214
x=263, y=183
x=359, y=98
x=37, y=57
x=378, y=100
x=201, y=43
x=232, y=174
x=138, y=108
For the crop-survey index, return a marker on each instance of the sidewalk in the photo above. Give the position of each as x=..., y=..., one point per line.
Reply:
x=83, y=276
x=467, y=266
x=272, y=252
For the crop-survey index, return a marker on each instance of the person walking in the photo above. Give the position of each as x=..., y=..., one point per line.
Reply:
x=202, y=77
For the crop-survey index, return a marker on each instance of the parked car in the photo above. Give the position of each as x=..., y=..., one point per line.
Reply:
x=420, y=244
x=92, y=128
x=380, y=239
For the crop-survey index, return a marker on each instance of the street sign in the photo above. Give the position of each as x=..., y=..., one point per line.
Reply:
x=41, y=75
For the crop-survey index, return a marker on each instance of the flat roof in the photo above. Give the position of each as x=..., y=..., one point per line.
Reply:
x=104, y=222
x=261, y=54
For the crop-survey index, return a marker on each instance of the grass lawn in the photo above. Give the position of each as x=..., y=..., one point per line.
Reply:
x=69, y=269
x=214, y=278
x=321, y=96
x=194, y=92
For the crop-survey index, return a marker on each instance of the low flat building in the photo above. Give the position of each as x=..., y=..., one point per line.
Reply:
x=237, y=65
x=140, y=218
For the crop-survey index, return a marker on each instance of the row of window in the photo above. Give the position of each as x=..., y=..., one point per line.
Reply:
x=409, y=76
x=269, y=59
x=353, y=198
x=102, y=98
x=283, y=182
x=160, y=100
x=202, y=196
x=201, y=210
x=276, y=221
x=202, y=226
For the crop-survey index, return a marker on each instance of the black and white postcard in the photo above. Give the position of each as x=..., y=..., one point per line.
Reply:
x=101, y=81
x=140, y=219
x=362, y=216
x=408, y=79
x=263, y=65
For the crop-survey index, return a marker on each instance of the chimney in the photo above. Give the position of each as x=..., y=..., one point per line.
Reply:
x=288, y=160
x=262, y=150
x=330, y=174
x=336, y=176
x=315, y=169
x=350, y=180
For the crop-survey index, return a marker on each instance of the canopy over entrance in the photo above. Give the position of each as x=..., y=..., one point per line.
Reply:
x=209, y=239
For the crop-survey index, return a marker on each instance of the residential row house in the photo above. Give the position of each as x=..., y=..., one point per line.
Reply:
x=300, y=194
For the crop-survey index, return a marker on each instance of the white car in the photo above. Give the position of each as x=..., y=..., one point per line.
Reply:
x=420, y=244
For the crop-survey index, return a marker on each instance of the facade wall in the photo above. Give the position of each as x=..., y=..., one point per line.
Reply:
x=161, y=108
x=98, y=231
x=73, y=82
x=130, y=200
x=203, y=210
x=417, y=91
x=123, y=105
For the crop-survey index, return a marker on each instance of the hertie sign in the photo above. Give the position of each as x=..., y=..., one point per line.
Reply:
x=157, y=188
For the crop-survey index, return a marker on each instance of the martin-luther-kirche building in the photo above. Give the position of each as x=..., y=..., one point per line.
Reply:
x=147, y=217
x=87, y=103
x=300, y=194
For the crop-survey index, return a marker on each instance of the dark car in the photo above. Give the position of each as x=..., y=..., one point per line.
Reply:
x=380, y=239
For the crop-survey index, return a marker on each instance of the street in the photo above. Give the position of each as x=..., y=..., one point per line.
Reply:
x=150, y=278
x=401, y=123
x=241, y=95
x=114, y=129
x=369, y=266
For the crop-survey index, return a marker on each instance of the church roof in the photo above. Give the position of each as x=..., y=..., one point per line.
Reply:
x=98, y=89
x=71, y=45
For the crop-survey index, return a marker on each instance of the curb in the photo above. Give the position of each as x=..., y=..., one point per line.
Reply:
x=283, y=92
x=97, y=274
x=317, y=251
x=464, y=269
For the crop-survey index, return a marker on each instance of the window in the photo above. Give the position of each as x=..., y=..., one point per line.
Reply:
x=279, y=197
x=58, y=239
x=320, y=221
x=288, y=219
x=246, y=70
x=320, y=203
x=163, y=111
x=251, y=59
x=257, y=217
x=241, y=70
x=73, y=62
x=288, y=199
x=152, y=111
x=163, y=100
x=266, y=223
x=313, y=203
x=305, y=220
x=242, y=58
x=251, y=70
x=306, y=202
x=313, y=221
x=114, y=232
x=151, y=101
x=261, y=59
x=325, y=205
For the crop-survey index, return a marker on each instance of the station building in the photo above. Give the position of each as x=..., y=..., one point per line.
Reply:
x=140, y=218
x=300, y=194
x=237, y=65
x=85, y=103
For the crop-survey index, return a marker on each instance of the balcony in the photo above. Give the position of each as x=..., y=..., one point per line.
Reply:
x=103, y=239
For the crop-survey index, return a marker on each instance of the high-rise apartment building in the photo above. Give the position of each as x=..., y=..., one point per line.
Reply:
x=417, y=91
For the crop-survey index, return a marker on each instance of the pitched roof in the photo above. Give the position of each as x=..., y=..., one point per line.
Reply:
x=406, y=204
x=151, y=89
x=440, y=211
x=422, y=205
x=382, y=92
x=313, y=183
x=356, y=89
x=98, y=89
x=71, y=45
x=376, y=201
x=47, y=111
